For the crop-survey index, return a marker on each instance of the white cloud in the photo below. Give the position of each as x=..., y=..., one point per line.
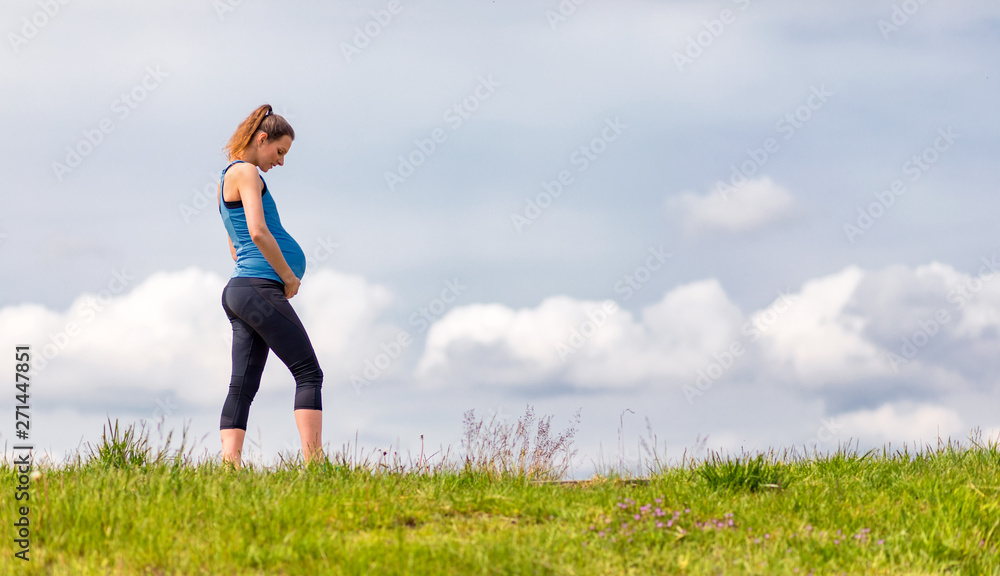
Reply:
x=816, y=340
x=834, y=335
x=602, y=345
x=169, y=336
x=756, y=203
x=923, y=423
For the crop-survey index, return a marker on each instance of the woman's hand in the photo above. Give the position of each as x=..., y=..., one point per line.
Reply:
x=292, y=287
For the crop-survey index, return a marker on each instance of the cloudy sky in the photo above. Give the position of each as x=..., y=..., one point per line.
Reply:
x=753, y=224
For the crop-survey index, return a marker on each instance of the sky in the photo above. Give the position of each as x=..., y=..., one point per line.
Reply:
x=727, y=226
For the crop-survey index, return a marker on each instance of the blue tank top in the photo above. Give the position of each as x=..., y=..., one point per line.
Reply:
x=249, y=260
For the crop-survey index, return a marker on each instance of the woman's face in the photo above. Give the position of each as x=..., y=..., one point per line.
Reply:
x=271, y=153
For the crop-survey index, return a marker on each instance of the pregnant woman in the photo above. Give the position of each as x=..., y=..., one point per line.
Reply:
x=269, y=266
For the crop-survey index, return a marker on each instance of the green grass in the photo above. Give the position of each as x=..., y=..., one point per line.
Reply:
x=124, y=509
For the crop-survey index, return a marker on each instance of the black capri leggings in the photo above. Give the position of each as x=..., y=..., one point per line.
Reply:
x=263, y=319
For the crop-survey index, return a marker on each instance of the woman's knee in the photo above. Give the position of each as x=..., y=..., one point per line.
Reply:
x=308, y=373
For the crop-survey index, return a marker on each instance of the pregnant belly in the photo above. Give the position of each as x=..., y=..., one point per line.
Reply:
x=295, y=257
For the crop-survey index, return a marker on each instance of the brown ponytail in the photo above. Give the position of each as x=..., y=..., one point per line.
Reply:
x=260, y=120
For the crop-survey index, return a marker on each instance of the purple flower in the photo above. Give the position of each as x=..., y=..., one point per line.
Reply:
x=658, y=500
x=835, y=541
x=687, y=510
x=637, y=516
x=670, y=523
x=881, y=542
x=809, y=528
x=766, y=536
x=659, y=524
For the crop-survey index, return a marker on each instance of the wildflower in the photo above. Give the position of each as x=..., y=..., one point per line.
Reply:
x=687, y=510
x=659, y=524
x=767, y=536
x=881, y=542
x=835, y=541
x=637, y=516
x=658, y=500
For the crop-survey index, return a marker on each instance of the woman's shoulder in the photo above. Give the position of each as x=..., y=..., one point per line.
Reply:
x=237, y=177
x=242, y=169
x=244, y=172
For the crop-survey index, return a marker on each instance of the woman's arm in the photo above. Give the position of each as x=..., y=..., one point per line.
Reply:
x=249, y=185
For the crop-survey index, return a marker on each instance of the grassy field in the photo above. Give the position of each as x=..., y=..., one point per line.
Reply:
x=126, y=509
